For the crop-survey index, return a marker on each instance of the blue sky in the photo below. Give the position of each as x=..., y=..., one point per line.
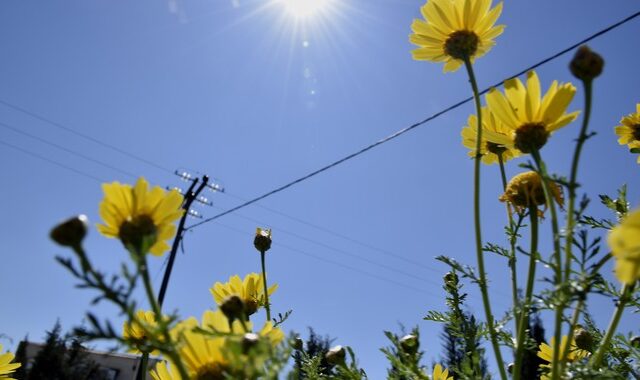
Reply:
x=242, y=91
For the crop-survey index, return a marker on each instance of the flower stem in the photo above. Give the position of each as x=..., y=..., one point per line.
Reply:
x=155, y=306
x=267, y=306
x=542, y=169
x=576, y=312
x=627, y=290
x=531, y=275
x=512, y=243
x=478, y=231
x=572, y=179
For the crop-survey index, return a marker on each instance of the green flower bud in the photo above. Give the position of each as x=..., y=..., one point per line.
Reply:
x=583, y=339
x=336, y=355
x=249, y=340
x=586, y=64
x=297, y=344
x=262, y=241
x=409, y=344
x=71, y=232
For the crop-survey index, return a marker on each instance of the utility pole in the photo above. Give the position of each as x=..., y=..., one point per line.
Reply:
x=191, y=195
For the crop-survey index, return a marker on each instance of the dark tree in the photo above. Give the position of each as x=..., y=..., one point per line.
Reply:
x=61, y=358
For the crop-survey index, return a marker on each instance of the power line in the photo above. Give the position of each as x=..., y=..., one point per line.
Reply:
x=342, y=236
x=348, y=267
x=412, y=126
x=359, y=257
x=63, y=148
x=84, y=136
x=44, y=141
x=27, y=152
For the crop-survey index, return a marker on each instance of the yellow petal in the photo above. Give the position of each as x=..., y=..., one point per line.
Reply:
x=532, y=102
x=501, y=108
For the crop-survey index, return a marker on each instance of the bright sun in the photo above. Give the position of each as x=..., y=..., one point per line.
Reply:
x=304, y=8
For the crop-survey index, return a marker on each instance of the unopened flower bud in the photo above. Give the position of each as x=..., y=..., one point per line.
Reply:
x=583, y=339
x=586, y=64
x=233, y=308
x=249, y=340
x=71, y=232
x=409, y=343
x=262, y=241
x=336, y=355
x=635, y=342
x=451, y=279
x=297, y=344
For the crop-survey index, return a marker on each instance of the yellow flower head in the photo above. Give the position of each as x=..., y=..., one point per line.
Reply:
x=453, y=30
x=6, y=367
x=624, y=241
x=205, y=356
x=440, y=374
x=135, y=214
x=629, y=130
x=137, y=331
x=525, y=190
x=545, y=352
x=489, y=150
x=251, y=291
x=530, y=117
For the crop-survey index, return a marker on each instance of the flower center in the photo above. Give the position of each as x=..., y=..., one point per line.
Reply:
x=139, y=232
x=211, y=371
x=636, y=132
x=494, y=148
x=461, y=44
x=530, y=137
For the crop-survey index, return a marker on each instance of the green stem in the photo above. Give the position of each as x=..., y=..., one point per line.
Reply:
x=548, y=195
x=267, y=306
x=155, y=306
x=478, y=231
x=627, y=289
x=512, y=243
x=568, y=255
x=573, y=178
x=531, y=275
x=580, y=306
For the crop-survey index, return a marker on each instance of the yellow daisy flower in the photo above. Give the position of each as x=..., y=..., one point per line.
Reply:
x=453, y=30
x=136, y=332
x=545, y=352
x=530, y=118
x=133, y=214
x=6, y=367
x=251, y=291
x=629, y=130
x=440, y=374
x=624, y=240
x=489, y=150
x=204, y=356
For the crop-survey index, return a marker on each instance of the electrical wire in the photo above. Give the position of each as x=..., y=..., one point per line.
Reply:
x=36, y=155
x=411, y=127
x=84, y=136
x=77, y=154
x=360, y=257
